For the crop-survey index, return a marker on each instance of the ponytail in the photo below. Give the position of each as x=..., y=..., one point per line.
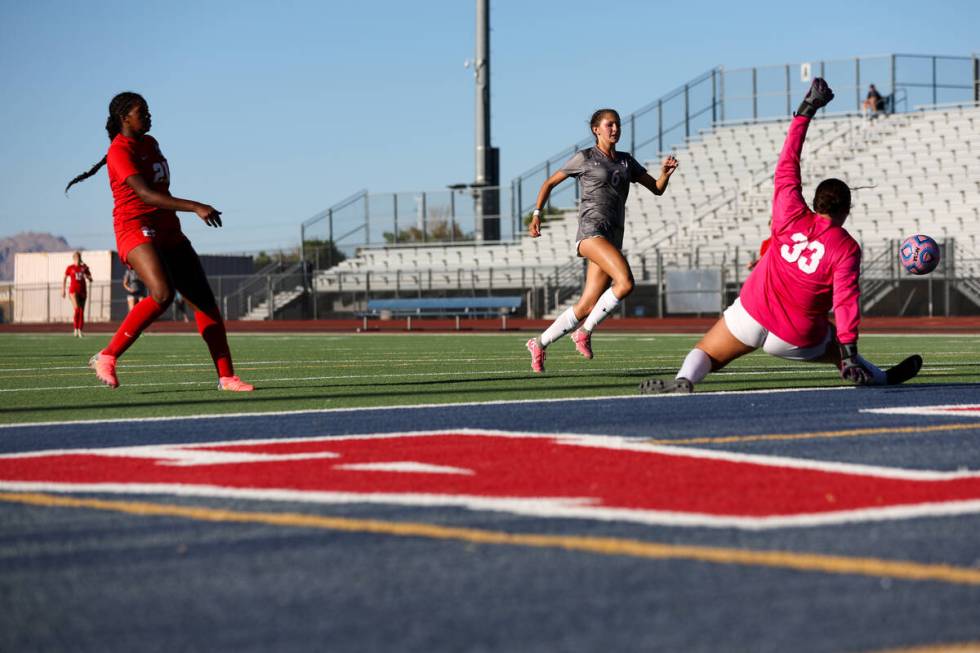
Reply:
x=119, y=107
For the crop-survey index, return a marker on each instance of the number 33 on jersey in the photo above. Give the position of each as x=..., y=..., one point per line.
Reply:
x=804, y=253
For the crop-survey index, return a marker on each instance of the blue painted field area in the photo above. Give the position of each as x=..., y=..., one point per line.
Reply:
x=134, y=568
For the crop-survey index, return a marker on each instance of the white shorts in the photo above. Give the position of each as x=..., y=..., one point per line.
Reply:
x=752, y=334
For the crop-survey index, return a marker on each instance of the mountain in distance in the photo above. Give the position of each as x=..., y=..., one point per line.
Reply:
x=28, y=241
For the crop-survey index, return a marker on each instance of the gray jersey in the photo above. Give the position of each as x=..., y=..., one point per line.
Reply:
x=604, y=186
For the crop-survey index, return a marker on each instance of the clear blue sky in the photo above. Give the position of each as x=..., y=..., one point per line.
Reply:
x=272, y=111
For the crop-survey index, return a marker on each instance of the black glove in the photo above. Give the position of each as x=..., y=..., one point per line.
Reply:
x=818, y=96
x=851, y=368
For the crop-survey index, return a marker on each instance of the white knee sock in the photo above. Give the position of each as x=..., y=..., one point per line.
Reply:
x=876, y=373
x=696, y=366
x=565, y=323
x=607, y=304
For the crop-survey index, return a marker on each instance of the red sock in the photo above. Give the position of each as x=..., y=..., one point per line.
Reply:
x=212, y=329
x=80, y=318
x=74, y=318
x=138, y=319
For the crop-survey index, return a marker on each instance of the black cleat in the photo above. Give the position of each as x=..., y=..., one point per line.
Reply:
x=661, y=387
x=904, y=371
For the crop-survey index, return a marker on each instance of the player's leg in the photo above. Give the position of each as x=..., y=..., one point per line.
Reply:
x=900, y=373
x=145, y=259
x=611, y=261
x=80, y=313
x=74, y=312
x=192, y=283
x=731, y=337
x=597, y=284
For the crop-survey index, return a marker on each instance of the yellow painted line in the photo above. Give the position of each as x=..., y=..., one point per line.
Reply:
x=808, y=562
x=813, y=435
x=959, y=647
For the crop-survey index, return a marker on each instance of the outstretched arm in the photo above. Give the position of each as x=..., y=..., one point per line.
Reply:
x=659, y=185
x=534, y=228
x=206, y=212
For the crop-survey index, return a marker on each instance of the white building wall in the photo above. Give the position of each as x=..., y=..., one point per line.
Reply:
x=39, y=279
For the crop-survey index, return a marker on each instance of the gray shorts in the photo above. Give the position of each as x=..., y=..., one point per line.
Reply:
x=607, y=230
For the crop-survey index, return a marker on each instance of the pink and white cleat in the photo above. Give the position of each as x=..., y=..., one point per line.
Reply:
x=537, y=355
x=234, y=384
x=583, y=342
x=105, y=369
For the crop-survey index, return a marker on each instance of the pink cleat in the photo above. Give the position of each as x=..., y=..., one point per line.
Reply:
x=105, y=369
x=537, y=355
x=583, y=342
x=234, y=384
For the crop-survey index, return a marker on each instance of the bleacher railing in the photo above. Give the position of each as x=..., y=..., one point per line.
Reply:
x=765, y=92
x=716, y=96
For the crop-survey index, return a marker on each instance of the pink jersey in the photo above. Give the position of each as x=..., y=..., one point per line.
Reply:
x=813, y=266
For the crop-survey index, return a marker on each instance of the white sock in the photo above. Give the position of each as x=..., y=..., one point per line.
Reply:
x=696, y=366
x=876, y=373
x=565, y=323
x=607, y=304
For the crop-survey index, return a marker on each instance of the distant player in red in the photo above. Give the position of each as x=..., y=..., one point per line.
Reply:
x=77, y=276
x=763, y=248
x=813, y=266
x=149, y=239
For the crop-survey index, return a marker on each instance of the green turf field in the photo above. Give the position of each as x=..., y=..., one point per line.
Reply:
x=45, y=378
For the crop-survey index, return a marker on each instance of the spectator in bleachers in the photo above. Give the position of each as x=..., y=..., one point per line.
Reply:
x=873, y=103
x=604, y=176
x=814, y=267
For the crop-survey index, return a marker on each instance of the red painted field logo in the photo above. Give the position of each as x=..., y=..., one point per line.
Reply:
x=558, y=476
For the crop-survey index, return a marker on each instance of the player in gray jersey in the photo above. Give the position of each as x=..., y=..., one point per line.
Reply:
x=604, y=176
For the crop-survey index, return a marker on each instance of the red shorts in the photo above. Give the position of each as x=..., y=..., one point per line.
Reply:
x=138, y=232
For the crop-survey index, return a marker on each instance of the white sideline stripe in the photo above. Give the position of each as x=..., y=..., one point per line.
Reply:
x=327, y=411
x=553, y=508
x=944, y=410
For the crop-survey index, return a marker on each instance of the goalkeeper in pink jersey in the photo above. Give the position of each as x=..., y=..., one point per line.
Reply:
x=814, y=266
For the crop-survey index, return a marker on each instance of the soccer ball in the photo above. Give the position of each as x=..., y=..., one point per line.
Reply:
x=919, y=254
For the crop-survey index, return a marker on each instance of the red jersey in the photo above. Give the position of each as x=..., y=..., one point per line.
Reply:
x=815, y=266
x=764, y=247
x=77, y=275
x=127, y=157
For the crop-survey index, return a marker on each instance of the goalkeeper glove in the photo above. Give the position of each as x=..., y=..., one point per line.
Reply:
x=818, y=96
x=851, y=368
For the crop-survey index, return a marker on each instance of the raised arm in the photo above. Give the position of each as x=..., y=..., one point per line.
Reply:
x=788, y=199
x=659, y=185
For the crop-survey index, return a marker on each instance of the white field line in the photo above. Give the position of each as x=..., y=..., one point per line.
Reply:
x=820, y=372
x=501, y=402
x=517, y=374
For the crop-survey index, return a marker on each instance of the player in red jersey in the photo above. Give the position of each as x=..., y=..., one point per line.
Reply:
x=77, y=276
x=813, y=266
x=150, y=240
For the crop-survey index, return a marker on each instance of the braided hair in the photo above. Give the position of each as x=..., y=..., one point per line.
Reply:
x=118, y=108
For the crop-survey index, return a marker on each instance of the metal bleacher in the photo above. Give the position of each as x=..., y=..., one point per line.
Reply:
x=924, y=167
